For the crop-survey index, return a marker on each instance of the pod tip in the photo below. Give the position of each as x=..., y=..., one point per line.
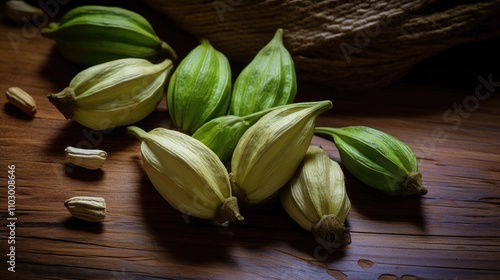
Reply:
x=330, y=232
x=413, y=184
x=65, y=101
x=229, y=211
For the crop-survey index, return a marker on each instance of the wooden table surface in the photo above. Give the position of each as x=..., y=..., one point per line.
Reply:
x=453, y=232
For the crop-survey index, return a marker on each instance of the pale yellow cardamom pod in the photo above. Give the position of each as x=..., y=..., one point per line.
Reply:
x=222, y=134
x=115, y=93
x=269, y=152
x=316, y=198
x=188, y=175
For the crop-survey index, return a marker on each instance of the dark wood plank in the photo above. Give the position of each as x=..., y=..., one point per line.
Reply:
x=453, y=232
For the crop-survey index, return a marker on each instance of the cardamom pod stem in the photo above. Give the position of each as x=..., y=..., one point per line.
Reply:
x=167, y=51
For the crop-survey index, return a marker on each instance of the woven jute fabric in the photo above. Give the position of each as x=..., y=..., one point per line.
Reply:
x=349, y=45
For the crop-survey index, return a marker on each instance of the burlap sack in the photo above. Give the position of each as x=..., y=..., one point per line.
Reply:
x=349, y=45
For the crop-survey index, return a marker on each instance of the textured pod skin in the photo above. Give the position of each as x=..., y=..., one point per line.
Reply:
x=22, y=100
x=377, y=159
x=200, y=88
x=222, y=134
x=187, y=174
x=87, y=208
x=269, y=152
x=90, y=35
x=269, y=80
x=115, y=93
x=92, y=159
x=316, y=194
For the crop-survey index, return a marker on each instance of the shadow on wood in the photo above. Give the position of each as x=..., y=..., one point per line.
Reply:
x=13, y=111
x=73, y=223
x=380, y=207
x=83, y=174
x=188, y=239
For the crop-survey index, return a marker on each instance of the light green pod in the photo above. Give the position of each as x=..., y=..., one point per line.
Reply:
x=222, y=134
x=377, y=159
x=268, y=154
x=269, y=80
x=200, y=88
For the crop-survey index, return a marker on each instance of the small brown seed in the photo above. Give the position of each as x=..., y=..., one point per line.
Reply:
x=22, y=100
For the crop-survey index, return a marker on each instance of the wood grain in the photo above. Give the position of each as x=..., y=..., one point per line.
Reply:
x=453, y=232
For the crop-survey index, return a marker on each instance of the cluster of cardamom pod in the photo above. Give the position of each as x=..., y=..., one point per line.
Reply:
x=253, y=125
x=128, y=66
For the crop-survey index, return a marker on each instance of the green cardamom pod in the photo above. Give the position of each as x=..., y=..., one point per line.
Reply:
x=270, y=151
x=200, y=88
x=222, y=134
x=316, y=198
x=377, y=159
x=114, y=93
x=92, y=34
x=269, y=80
x=187, y=174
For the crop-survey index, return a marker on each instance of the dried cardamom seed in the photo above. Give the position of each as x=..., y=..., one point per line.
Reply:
x=87, y=208
x=87, y=158
x=22, y=100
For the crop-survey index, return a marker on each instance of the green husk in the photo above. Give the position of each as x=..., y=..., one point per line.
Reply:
x=378, y=159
